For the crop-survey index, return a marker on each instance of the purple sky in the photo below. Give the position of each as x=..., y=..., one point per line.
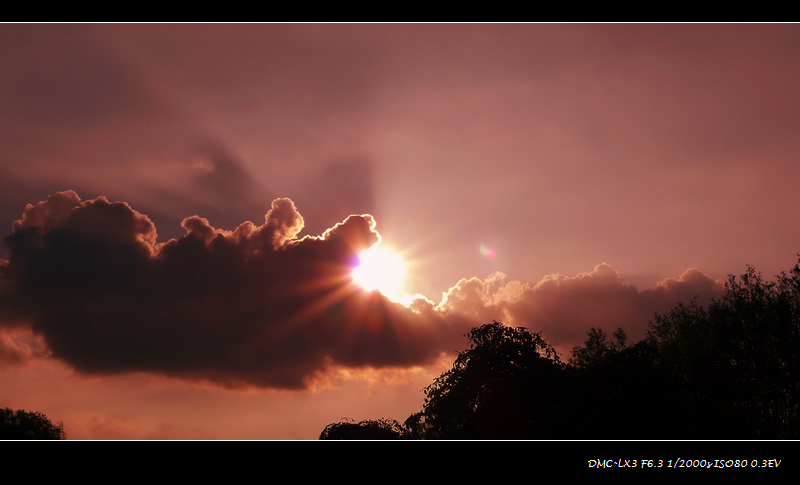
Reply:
x=607, y=171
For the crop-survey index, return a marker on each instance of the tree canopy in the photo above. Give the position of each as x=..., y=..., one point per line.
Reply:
x=597, y=348
x=381, y=429
x=25, y=425
x=503, y=386
x=738, y=359
x=728, y=370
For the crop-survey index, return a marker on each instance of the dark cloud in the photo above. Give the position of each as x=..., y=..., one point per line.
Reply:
x=255, y=305
x=259, y=306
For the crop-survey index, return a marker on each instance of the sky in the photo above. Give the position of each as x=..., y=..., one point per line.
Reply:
x=182, y=205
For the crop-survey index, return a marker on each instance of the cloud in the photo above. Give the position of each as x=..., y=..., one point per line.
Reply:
x=258, y=306
x=335, y=190
x=17, y=346
x=252, y=306
x=564, y=308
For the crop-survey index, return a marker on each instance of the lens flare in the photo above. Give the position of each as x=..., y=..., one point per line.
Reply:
x=487, y=251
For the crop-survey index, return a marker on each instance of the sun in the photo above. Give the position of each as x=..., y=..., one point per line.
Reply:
x=379, y=269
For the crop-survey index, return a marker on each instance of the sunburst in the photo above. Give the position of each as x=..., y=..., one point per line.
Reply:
x=380, y=269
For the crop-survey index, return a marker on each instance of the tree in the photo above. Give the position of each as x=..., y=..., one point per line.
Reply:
x=24, y=425
x=381, y=429
x=738, y=359
x=415, y=426
x=618, y=392
x=597, y=348
x=505, y=386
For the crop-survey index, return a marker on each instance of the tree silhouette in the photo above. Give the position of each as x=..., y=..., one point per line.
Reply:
x=504, y=386
x=620, y=393
x=24, y=425
x=597, y=348
x=381, y=429
x=738, y=359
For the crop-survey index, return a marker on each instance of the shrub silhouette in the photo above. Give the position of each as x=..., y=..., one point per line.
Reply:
x=382, y=429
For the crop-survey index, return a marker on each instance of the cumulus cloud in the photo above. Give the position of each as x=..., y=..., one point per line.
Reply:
x=563, y=308
x=258, y=305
